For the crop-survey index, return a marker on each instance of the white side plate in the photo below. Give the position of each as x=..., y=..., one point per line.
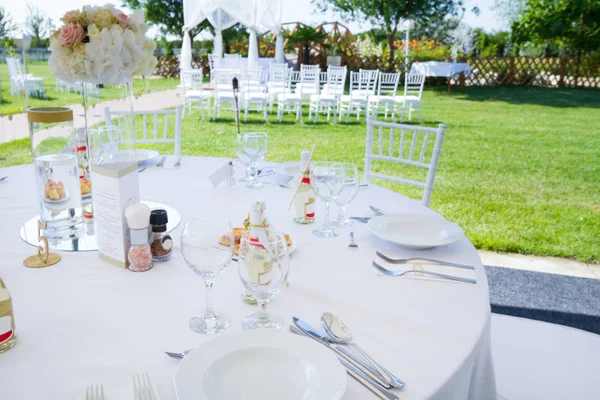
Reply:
x=258, y=365
x=416, y=231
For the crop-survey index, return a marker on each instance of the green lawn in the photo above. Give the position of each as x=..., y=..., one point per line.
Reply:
x=519, y=171
x=12, y=104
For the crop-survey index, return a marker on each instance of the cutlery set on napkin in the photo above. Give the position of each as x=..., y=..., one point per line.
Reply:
x=364, y=369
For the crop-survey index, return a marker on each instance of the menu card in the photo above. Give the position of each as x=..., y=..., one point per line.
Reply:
x=115, y=186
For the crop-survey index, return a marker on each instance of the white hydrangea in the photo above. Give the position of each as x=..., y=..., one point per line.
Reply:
x=114, y=54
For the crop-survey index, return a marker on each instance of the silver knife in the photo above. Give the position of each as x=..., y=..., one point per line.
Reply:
x=368, y=382
x=316, y=335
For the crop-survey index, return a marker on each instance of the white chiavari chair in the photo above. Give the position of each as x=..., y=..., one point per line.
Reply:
x=413, y=92
x=254, y=92
x=385, y=98
x=408, y=145
x=156, y=118
x=224, y=96
x=308, y=85
x=280, y=75
x=194, y=95
x=329, y=98
x=362, y=85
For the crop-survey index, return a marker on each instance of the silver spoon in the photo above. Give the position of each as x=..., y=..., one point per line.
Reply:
x=338, y=332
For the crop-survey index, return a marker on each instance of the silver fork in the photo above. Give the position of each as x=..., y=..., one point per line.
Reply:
x=162, y=162
x=178, y=163
x=142, y=387
x=418, y=271
x=406, y=260
x=3, y=178
x=94, y=392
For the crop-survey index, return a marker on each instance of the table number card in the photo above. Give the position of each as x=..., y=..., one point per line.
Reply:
x=115, y=187
x=220, y=175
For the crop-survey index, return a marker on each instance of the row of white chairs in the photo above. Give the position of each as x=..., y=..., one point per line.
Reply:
x=371, y=92
x=23, y=83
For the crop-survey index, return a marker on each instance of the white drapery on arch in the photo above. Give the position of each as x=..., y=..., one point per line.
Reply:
x=223, y=14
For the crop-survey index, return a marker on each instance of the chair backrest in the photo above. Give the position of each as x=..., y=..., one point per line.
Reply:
x=146, y=117
x=336, y=80
x=388, y=83
x=223, y=79
x=192, y=79
x=413, y=85
x=370, y=77
x=14, y=68
x=404, y=144
x=309, y=79
x=254, y=80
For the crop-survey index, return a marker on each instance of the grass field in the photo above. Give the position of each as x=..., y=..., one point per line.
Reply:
x=519, y=170
x=13, y=105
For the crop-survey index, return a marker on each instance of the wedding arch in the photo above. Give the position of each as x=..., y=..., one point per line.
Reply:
x=223, y=14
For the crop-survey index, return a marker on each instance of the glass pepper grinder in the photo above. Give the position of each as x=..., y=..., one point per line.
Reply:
x=161, y=243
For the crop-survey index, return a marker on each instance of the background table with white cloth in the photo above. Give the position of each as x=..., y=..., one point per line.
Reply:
x=84, y=321
x=440, y=69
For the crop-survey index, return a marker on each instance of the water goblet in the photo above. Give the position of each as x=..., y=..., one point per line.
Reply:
x=263, y=265
x=327, y=180
x=109, y=138
x=347, y=194
x=207, y=246
x=254, y=147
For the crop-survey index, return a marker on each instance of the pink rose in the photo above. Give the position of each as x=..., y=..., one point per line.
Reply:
x=71, y=35
x=123, y=20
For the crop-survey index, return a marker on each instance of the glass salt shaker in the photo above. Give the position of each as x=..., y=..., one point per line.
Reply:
x=161, y=243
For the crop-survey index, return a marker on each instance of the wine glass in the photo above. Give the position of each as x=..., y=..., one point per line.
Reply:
x=207, y=245
x=242, y=158
x=252, y=148
x=348, y=193
x=327, y=180
x=263, y=265
x=109, y=138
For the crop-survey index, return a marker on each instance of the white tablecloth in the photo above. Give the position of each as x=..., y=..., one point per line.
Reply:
x=437, y=68
x=84, y=321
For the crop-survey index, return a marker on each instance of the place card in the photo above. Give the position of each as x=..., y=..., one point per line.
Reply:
x=115, y=186
x=220, y=175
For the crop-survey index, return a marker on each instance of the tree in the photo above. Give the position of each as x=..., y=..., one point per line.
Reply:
x=38, y=25
x=6, y=23
x=305, y=37
x=509, y=11
x=573, y=24
x=167, y=15
x=387, y=14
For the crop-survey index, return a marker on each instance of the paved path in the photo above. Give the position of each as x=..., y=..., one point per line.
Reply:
x=16, y=126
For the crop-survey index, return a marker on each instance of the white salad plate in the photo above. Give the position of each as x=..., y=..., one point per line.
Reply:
x=415, y=231
x=258, y=365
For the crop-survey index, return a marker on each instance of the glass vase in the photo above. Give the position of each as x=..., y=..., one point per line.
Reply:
x=55, y=164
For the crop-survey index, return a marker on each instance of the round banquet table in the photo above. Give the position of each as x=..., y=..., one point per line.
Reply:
x=84, y=321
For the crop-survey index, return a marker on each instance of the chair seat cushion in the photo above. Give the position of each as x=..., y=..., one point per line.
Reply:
x=323, y=97
x=193, y=94
x=409, y=99
x=288, y=96
x=381, y=99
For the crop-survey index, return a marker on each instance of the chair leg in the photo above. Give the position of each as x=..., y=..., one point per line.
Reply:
x=410, y=112
x=420, y=116
x=348, y=112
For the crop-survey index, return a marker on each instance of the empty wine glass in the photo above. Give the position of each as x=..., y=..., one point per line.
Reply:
x=263, y=265
x=251, y=149
x=327, y=180
x=207, y=245
x=347, y=194
x=109, y=138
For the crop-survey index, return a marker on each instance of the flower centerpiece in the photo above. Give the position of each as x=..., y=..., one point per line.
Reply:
x=101, y=45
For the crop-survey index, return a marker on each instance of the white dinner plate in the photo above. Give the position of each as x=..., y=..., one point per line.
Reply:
x=141, y=155
x=59, y=201
x=258, y=365
x=289, y=168
x=415, y=231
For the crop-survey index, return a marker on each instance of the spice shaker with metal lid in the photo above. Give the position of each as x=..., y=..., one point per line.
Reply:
x=161, y=243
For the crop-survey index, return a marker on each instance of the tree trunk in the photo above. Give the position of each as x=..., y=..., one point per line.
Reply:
x=390, y=40
x=307, y=54
x=577, y=64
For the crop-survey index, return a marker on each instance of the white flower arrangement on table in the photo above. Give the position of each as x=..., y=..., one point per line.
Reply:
x=101, y=45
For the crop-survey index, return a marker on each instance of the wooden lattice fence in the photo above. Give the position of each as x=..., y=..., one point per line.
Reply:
x=534, y=71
